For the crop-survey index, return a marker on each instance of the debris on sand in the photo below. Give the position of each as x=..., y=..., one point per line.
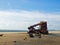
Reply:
x=25, y=38
x=14, y=41
x=1, y=34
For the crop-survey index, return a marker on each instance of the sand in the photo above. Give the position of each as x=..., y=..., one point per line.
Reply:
x=22, y=38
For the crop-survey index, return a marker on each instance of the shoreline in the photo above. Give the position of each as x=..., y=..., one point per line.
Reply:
x=55, y=31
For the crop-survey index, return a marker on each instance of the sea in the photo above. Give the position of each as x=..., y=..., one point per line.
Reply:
x=21, y=30
x=13, y=30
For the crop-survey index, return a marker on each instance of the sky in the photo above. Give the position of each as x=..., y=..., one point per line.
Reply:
x=20, y=14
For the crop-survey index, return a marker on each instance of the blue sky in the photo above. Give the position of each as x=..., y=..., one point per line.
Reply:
x=19, y=14
x=41, y=5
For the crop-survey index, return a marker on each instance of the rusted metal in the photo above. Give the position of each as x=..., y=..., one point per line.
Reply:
x=41, y=30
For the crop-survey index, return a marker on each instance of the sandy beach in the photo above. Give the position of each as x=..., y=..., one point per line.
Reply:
x=22, y=38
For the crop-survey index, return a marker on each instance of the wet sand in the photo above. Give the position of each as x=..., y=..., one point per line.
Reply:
x=22, y=38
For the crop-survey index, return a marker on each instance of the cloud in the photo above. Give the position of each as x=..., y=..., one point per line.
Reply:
x=22, y=19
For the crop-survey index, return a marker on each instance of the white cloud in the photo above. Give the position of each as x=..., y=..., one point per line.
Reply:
x=23, y=19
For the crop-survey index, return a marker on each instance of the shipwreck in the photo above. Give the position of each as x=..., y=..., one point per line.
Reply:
x=42, y=29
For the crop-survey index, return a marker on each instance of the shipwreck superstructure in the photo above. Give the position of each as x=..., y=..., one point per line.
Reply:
x=42, y=29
